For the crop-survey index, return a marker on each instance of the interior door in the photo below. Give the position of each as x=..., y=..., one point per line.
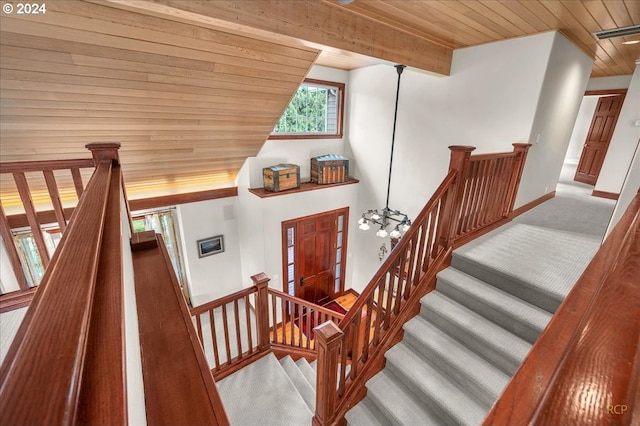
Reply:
x=315, y=257
x=595, y=147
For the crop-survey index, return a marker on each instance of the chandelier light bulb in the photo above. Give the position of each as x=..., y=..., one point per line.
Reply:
x=395, y=234
x=362, y=221
x=364, y=226
x=382, y=233
x=405, y=227
x=375, y=216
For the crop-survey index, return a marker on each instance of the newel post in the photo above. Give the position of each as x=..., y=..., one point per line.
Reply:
x=328, y=337
x=459, y=162
x=261, y=282
x=104, y=151
x=521, y=150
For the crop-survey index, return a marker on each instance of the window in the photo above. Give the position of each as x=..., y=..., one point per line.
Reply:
x=28, y=251
x=163, y=222
x=314, y=112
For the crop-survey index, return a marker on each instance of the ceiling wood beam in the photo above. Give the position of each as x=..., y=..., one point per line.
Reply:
x=311, y=23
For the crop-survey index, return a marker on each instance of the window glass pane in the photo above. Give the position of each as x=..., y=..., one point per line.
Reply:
x=290, y=273
x=340, y=220
x=290, y=235
x=138, y=225
x=338, y=255
x=338, y=271
x=339, y=242
x=337, y=285
x=29, y=255
x=290, y=254
x=314, y=110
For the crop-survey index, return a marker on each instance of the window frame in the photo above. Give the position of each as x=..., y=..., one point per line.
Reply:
x=340, y=119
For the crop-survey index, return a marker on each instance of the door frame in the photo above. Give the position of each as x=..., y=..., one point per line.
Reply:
x=292, y=223
x=600, y=94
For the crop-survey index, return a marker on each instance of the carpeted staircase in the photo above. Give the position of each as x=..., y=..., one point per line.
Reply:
x=476, y=328
x=470, y=337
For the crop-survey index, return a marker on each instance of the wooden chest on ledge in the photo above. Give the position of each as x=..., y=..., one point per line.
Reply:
x=281, y=177
x=330, y=168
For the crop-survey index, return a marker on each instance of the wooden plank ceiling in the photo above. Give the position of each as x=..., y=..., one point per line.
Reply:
x=193, y=88
x=465, y=23
x=189, y=104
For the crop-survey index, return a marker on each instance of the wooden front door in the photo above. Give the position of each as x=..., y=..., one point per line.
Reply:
x=314, y=254
x=595, y=147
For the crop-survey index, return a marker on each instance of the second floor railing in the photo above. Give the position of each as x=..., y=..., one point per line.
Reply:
x=66, y=364
x=233, y=333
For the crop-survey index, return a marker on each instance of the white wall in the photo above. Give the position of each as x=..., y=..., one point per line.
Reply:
x=581, y=128
x=623, y=141
x=261, y=219
x=629, y=190
x=609, y=83
x=490, y=101
x=136, y=413
x=217, y=275
x=564, y=84
x=8, y=281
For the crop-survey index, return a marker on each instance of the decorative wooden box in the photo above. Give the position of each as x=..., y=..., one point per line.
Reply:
x=330, y=168
x=281, y=177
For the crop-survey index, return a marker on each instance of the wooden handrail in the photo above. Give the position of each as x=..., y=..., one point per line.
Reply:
x=478, y=193
x=391, y=260
x=584, y=367
x=38, y=166
x=184, y=395
x=306, y=304
x=200, y=309
x=43, y=378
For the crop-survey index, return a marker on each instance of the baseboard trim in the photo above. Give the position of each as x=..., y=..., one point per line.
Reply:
x=605, y=194
x=530, y=205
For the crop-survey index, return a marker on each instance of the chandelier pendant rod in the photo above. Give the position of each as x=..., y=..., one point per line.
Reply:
x=399, y=69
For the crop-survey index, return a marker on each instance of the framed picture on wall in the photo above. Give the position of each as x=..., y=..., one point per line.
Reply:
x=211, y=245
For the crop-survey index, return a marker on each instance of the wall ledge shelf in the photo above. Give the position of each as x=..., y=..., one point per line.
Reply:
x=304, y=186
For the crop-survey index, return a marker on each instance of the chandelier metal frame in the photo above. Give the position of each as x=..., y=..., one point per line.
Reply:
x=384, y=217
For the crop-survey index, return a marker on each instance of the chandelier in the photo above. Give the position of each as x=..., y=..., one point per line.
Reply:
x=385, y=217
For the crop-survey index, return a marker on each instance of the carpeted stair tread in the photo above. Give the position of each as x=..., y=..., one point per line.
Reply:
x=443, y=397
x=301, y=384
x=308, y=371
x=366, y=413
x=455, y=361
x=257, y=393
x=519, y=317
x=495, y=344
x=397, y=403
x=536, y=264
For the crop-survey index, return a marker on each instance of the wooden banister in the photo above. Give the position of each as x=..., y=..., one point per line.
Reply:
x=328, y=337
x=584, y=367
x=103, y=390
x=179, y=387
x=261, y=283
x=34, y=219
x=521, y=150
x=42, y=376
x=477, y=194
